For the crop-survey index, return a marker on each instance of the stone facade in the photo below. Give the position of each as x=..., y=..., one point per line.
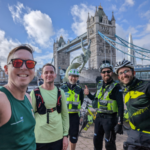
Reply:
x=61, y=59
x=100, y=50
x=89, y=76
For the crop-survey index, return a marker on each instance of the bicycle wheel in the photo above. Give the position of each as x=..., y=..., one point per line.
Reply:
x=126, y=126
x=86, y=134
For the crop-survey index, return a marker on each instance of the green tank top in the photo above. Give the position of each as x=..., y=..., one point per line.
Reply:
x=18, y=132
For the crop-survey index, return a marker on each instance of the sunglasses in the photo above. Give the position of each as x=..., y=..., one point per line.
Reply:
x=17, y=63
x=108, y=71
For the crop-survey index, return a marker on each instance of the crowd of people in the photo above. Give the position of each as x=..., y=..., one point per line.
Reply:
x=48, y=118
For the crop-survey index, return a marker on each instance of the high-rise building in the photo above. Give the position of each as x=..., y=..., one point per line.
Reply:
x=131, y=51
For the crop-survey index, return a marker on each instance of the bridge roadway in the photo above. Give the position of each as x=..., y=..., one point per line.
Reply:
x=72, y=45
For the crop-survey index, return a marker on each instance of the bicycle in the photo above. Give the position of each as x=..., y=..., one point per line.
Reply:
x=88, y=118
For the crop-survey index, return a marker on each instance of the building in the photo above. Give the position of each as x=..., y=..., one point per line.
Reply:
x=142, y=72
x=131, y=51
x=3, y=76
x=101, y=51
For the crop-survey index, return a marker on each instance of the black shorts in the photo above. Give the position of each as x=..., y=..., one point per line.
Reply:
x=57, y=145
x=74, y=127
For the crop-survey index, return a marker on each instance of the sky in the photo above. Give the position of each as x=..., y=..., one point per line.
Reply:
x=41, y=22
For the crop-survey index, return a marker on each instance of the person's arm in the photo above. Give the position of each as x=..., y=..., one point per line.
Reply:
x=118, y=96
x=148, y=89
x=91, y=97
x=64, y=115
x=29, y=98
x=4, y=107
x=1, y=109
x=65, y=120
x=32, y=95
x=81, y=96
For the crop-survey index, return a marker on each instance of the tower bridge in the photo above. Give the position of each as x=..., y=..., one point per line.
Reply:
x=102, y=33
x=100, y=49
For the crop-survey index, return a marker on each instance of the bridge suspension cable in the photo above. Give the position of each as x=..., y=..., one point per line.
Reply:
x=139, y=50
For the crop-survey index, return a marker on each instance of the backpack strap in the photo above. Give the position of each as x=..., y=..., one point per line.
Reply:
x=41, y=109
x=59, y=101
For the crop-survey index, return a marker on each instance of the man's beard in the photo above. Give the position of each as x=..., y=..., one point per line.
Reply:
x=130, y=79
x=108, y=79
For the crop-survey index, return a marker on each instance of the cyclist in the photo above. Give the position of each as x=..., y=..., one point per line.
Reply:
x=75, y=97
x=16, y=113
x=108, y=100
x=137, y=100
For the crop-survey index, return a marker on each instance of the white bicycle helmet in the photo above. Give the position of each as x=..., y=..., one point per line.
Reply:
x=73, y=72
x=123, y=63
x=106, y=65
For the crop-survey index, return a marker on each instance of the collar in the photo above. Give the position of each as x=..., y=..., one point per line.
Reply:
x=108, y=83
x=71, y=86
x=130, y=84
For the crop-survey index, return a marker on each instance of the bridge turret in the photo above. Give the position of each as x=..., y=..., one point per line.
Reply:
x=96, y=15
x=61, y=41
x=88, y=23
x=113, y=22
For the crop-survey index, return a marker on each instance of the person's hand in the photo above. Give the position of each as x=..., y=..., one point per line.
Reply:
x=81, y=120
x=119, y=129
x=86, y=90
x=65, y=143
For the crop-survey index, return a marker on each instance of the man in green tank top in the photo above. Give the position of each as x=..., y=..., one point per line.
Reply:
x=16, y=113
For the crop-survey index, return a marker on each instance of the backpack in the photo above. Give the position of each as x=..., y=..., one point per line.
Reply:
x=41, y=109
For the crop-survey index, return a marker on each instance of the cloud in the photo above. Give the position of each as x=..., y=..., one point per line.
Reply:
x=126, y=4
x=38, y=25
x=146, y=15
x=120, y=31
x=16, y=11
x=35, y=48
x=113, y=7
x=6, y=45
x=80, y=14
x=129, y=2
x=144, y=3
x=132, y=30
x=148, y=27
x=64, y=33
x=41, y=60
x=125, y=21
x=140, y=26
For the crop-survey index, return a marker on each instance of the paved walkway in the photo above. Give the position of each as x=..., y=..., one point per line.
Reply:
x=86, y=142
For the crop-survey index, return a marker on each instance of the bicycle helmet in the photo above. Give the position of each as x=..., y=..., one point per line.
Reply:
x=73, y=72
x=106, y=65
x=123, y=63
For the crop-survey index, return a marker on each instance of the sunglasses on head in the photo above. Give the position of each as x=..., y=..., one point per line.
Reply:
x=17, y=63
x=108, y=71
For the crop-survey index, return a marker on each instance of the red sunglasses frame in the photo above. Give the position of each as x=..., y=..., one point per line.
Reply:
x=23, y=61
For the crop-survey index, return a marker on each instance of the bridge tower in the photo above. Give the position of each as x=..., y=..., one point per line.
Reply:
x=61, y=59
x=100, y=50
